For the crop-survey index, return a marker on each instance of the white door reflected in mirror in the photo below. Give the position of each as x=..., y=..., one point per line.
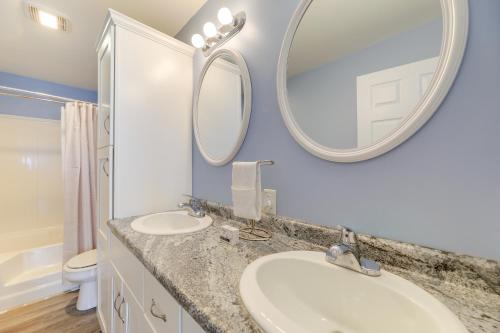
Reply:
x=222, y=107
x=357, y=78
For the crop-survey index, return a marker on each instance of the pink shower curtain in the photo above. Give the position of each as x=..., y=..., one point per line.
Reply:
x=79, y=141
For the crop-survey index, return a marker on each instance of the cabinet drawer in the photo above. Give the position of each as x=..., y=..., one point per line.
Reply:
x=129, y=267
x=161, y=309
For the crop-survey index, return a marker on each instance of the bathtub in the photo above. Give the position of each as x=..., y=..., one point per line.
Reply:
x=31, y=274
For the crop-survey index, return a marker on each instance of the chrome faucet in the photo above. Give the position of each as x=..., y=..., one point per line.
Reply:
x=346, y=254
x=193, y=207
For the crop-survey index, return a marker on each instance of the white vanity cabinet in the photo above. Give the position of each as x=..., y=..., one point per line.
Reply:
x=144, y=147
x=139, y=303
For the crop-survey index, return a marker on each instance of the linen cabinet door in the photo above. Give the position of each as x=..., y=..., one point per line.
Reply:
x=104, y=190
x=105, y=90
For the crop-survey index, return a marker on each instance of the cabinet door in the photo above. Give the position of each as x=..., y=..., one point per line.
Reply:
x=130, y=268
x=119, y=305
x=104, y=190
x=104, y=297
x=105, y=90
x=136, y=321
x=152, y=125
x=161, y=309
x=189, y=325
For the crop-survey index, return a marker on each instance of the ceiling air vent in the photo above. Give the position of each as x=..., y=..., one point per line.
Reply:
x=46, y=17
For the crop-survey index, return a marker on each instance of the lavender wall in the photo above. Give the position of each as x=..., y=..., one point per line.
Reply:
x=441, y=188
x=35, y=108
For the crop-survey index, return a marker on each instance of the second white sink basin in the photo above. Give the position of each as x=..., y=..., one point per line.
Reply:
x=170, y=223
x=299, y=291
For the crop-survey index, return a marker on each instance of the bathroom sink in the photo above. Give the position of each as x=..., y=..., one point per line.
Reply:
x=170, y=223
x=299, y=291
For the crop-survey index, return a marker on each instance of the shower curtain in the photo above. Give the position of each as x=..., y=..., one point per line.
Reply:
x=79, y=149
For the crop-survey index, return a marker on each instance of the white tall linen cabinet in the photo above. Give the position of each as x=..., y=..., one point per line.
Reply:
x=144, y=131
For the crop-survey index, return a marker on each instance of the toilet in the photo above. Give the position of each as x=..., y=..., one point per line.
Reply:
x=82, y=270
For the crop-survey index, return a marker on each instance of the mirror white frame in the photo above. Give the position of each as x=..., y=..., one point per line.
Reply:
x=454, y=40
x=247, y=105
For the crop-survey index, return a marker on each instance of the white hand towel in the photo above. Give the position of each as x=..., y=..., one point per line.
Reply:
x=246, y=190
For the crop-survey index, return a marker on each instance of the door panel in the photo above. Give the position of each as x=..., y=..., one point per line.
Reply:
x=386, y=97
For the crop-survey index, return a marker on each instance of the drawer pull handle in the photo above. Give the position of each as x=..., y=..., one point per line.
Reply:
x=106, y=172
x=106, y=121
x=120, y=311
x=114, y=302
x=161, y=316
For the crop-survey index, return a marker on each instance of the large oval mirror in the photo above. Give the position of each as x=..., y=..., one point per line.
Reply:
x=222, y=106
x=356, y=78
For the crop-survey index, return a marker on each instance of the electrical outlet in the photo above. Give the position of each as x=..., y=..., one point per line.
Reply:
x=269, y=201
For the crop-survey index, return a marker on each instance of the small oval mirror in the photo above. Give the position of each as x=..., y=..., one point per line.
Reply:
x=222, y=106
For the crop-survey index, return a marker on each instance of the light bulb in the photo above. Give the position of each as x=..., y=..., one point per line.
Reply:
x=209, y=30
x=48, y=20
x=224, y=16
x=197, y=41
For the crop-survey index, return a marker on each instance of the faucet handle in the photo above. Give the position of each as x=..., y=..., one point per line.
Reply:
x=195, y=202
x=347, y=236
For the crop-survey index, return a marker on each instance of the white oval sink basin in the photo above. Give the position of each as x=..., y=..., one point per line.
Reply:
x=299, y=291
x=170, y=223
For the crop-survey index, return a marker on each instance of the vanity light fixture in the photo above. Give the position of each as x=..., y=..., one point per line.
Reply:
x=216, y=36
x=46, y=17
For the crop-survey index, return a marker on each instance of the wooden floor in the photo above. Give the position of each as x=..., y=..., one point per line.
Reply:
x=54, y=315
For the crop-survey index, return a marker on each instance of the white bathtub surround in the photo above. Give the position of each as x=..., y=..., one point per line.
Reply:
x=246, y=190
x=79, y=142
x=30, y=275
x=31, y=196
x=15, y=241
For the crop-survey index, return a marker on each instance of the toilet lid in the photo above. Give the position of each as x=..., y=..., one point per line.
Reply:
x=85, y=259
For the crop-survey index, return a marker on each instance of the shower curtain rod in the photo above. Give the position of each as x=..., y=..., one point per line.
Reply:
x=8, y=91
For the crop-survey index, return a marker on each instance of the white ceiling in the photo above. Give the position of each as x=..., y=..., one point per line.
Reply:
x=333, y=29
x=32, y=50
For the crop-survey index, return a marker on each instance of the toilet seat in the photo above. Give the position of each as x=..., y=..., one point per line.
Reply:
x=83, y=260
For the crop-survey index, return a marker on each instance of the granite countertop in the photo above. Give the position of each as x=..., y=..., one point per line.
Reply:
x=202, y=273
